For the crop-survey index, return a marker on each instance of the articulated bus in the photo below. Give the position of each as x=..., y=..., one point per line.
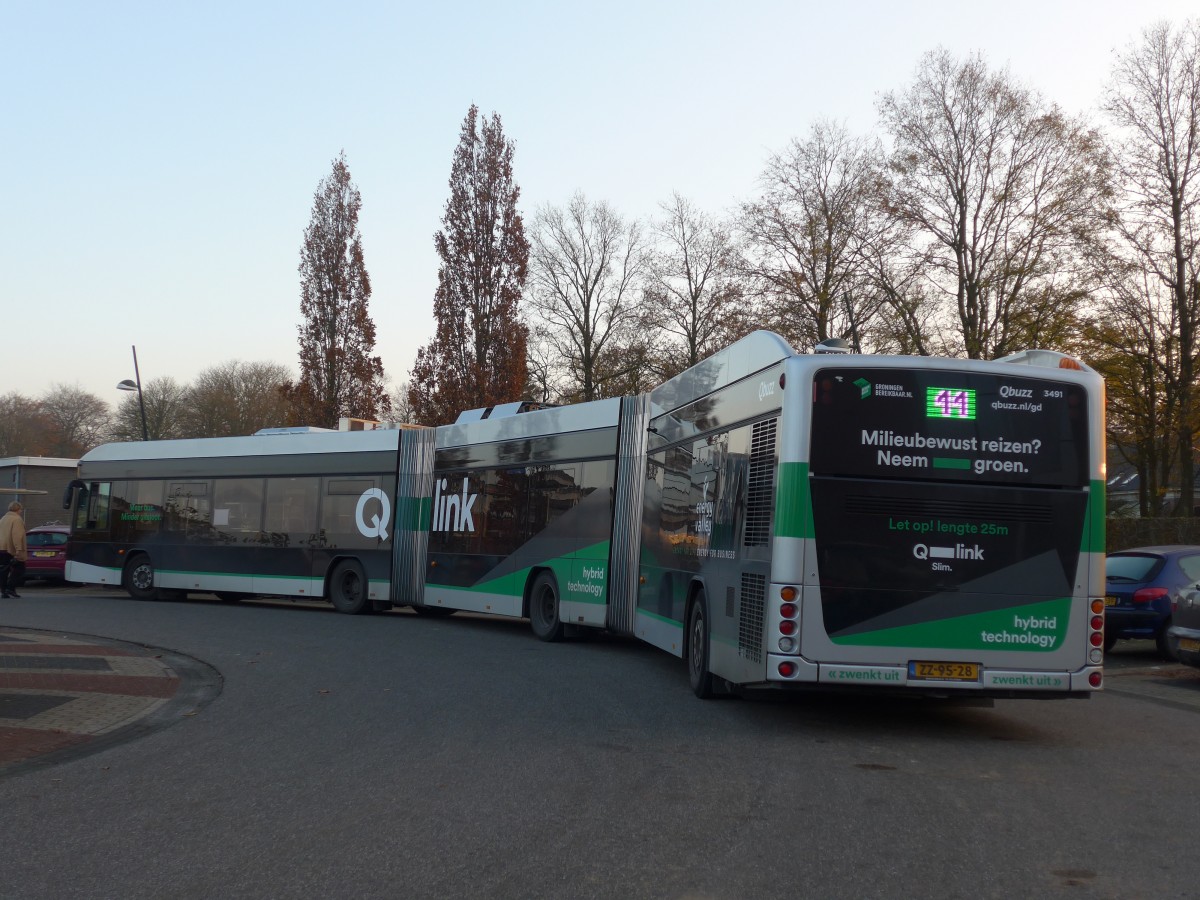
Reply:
x=775, y=519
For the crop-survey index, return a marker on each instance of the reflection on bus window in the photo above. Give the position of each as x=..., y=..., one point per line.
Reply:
x=92, y=512
x=292, y=507
x=137, y=508
x=237, y=508
x=188, y=510
x=340, y=509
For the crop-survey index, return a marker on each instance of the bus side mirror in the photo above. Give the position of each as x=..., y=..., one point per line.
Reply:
x=68, y=493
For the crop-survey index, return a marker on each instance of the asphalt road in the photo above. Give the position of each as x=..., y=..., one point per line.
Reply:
x=397, y=756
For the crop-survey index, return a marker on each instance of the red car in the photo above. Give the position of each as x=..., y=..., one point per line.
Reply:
x=47, y=546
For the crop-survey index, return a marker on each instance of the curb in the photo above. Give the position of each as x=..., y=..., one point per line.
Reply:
x=64, y=696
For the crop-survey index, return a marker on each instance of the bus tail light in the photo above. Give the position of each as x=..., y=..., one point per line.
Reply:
x=1096, y=632
x=785, y=620
x=1095, y=679
x=787, y=669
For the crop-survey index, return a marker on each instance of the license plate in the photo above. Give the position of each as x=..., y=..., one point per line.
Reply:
x=943, y=671
x=1189, y=644
x=1110, y=601
x=43, y=554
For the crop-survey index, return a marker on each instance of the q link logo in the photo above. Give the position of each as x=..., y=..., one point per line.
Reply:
x=377, y=527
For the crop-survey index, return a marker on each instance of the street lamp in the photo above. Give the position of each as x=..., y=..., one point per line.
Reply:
x=128, y=385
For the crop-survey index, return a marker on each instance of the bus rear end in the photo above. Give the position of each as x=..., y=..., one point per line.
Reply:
x=940, y=527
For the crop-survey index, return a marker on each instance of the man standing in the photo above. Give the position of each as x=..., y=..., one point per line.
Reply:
x=12, y=549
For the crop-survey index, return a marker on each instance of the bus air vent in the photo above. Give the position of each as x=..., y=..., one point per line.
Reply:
x=760, y=494
x=750, y=621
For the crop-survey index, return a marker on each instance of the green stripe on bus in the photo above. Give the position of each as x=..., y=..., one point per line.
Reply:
x=414, y=513
x=512, y=584
x=793, y=502
x=1033, y=628
x=1096, y=527
x=658, y=617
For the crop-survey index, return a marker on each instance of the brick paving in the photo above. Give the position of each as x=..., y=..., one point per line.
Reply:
x=61, y=693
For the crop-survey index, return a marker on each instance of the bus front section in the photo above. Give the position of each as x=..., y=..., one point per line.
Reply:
x=940, y=527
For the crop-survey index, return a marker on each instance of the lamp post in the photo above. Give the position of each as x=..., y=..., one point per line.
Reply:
x=128, y=385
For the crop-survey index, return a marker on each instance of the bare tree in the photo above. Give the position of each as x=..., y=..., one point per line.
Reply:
x=235, y=398
x=78, y=420
x=1133, y=341
x=166, y=412
x=998, y=187
x=24, y=430
x=585, y=282
x=802, y=237
x=694, y=298
x=1154, y=102
x=547, y=375
x=402, y=409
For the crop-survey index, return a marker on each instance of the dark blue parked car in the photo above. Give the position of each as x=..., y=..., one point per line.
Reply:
x=1142, y=585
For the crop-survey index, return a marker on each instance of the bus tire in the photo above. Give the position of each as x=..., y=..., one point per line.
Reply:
x=138, y=578
x=543, y=608
x=434, y=612
x=699, y=676
x=348, y=589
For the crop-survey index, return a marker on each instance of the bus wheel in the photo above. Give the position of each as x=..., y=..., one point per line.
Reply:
x=348, y=588
x=434, y=612
x=138, y=577
x=697, y=655
x=543, y=609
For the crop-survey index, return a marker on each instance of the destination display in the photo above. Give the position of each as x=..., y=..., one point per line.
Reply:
x=949, y=426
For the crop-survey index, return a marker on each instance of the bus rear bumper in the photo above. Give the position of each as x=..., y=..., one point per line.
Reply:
x=796, y=670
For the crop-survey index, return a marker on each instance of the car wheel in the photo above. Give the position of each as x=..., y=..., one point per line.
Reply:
x=1163, y=643
x=348, y=588
x=1109, y=641
x=138, y=578
x=543, y=609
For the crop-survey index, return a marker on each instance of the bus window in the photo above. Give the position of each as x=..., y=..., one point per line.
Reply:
x=291, y=512
x=553, y=491
x=502, y=526
x=340, y=511
x=136, y=508
x=188, y=510
x=92, y=512
x=237, y=508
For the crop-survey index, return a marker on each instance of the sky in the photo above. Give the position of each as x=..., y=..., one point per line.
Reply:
x=158, y=161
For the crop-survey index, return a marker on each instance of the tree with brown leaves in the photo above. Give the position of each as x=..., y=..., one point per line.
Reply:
x=477, y=356
x=338, y=374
